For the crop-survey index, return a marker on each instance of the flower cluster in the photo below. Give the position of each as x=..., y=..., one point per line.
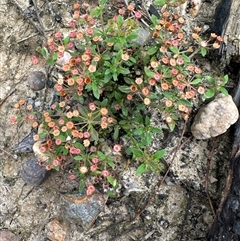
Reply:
x=107, y=83
x=25, y=113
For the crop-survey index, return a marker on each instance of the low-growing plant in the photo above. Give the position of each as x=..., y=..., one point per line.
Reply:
x=109, y=82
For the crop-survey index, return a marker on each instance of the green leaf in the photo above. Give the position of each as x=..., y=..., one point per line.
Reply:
x=196, y=81
x=209, y=93
x=116, y=132
x=174, y=49
x=118, y=47
x=171, y=126
x=94, y=134
x=159, y=2
x=117, y=96
x=128, y=150
x=42, y=134
x=103, y=2
x=184, y=102
x=77, y=145
x=138, y=119
x=112, y=181
x=50, y=61
x=137, y=153
x=120, y=19
x=107, y=78
x=225, y=79
x=108, y=71
x=101, y=155
x=152, y=50
x=78, y=158
x=147, y=121
x=123, y=71
x=148, y=72
x=148, y=138
x=186, y=58
x=110, y=163
x=66, y=40
x=203, y=51
x=158, y=155
x=141, y=169
x=106, y=57
x=95, y=89
x=97, y=11
x=131, y=37
x=124, y=89
x=44, y=52
x=124, y=109
x=156, y=130
x=224, y=91
x=104, y=103
x=154, y=19
x=62, y=137
x=133, y=60
x=138, y=131
x=81, y=186
x=115, y=76
x=168, y=95
x=83, y=110
x=210, y=79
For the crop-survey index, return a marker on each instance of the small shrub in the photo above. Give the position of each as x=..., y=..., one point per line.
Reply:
x=109, y=83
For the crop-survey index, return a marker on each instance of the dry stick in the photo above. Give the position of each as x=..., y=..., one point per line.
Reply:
x=40, y=31
x=180, y=144
x=5, y=98
x=38, y=17
x=207, y=175
x=8, y=153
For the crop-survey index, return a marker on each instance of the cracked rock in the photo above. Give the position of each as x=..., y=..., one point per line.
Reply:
x=215, y=118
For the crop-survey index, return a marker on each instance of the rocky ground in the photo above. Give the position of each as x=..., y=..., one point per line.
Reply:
x=179, y=211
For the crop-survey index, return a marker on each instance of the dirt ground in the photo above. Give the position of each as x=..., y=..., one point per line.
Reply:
x=180, y=210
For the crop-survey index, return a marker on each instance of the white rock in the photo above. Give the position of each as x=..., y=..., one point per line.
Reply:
x=215, y=118
x=40, y=155
x=65, y=59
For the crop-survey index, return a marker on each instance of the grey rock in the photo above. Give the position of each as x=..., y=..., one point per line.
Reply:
x=32, y=173
x=36, y=80
x=85, y=209
x=215, y=118
x=25, y=145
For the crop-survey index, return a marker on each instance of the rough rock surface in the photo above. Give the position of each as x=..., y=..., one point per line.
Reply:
x=215, y=118
x=8, y=236
x=36, y=80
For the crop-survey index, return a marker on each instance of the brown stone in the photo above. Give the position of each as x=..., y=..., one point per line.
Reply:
x=6, y=235
x=55, y=231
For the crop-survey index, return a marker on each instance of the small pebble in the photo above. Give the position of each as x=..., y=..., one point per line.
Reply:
x=215, y=118
x=55, y=231
x=37, y=80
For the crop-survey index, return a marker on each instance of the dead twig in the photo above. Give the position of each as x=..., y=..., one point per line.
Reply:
x=26, y=38
x=38, y=17
x=5, y=98
x=180, y=144
x=40, y=31
x=8, y=153
x=207, y=176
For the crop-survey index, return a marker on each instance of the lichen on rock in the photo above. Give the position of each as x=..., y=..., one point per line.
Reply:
x=215, y=118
